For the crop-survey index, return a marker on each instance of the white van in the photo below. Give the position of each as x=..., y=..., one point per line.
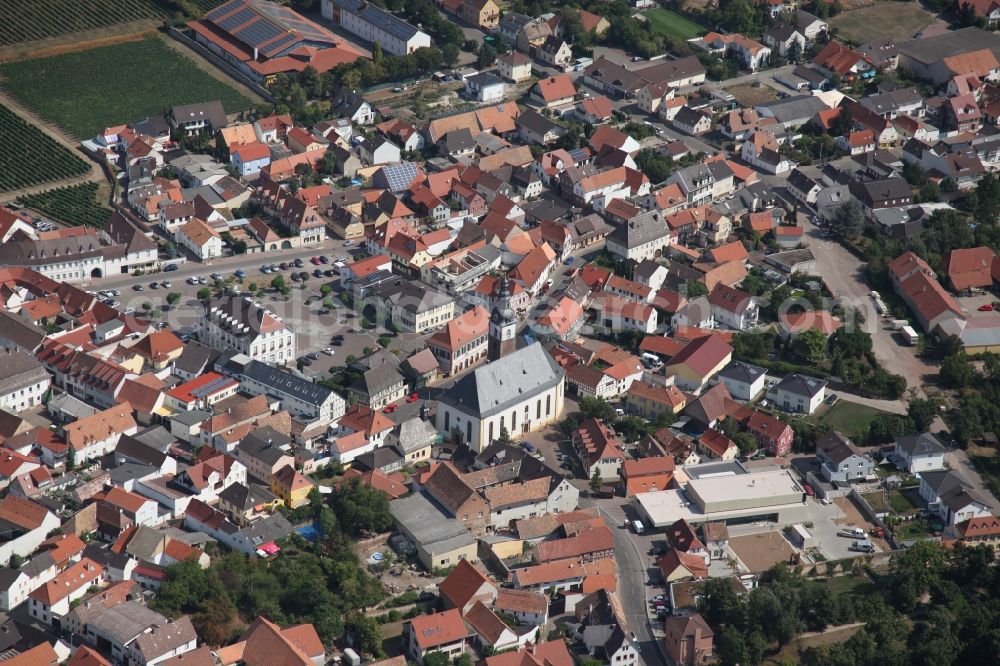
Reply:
x=637, y=526
x=651, y=360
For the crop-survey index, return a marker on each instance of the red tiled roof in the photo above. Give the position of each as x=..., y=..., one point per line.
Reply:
x=647, y=466
x=556, y=87
x=594, y=540
x=703, y=354
x=436, y=629
x=462, y=584
x=970, y=267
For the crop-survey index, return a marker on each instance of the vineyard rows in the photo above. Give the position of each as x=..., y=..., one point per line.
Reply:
x=31, y=157
x=74, y=206
x=85, y=91
x=37, y=19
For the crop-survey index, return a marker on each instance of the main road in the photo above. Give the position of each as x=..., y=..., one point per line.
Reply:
x=634, y=566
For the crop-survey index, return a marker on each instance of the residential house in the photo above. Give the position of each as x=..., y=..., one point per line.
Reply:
x=798, y=393
x=772, y=434
x=689, y=640
x=555, y=52
x=744, y=381
x=485, y=87
x=919, y=453
x=443, y=632
x=694, y=365
x=599, y=449
x=462, y=342
x=716, y=445
x=841, y=460
x=646, y=475
x=950, y=496
x=514, y=66
x=733, y=308
x=553, y=91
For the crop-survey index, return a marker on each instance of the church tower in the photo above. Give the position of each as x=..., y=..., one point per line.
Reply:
x=503, y=325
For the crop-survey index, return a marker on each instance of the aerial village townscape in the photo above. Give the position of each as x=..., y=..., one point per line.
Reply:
x=499, y=332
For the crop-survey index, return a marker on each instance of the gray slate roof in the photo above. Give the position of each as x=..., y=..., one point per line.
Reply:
x=492, y=388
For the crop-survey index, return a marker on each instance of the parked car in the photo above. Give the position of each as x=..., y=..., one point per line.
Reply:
x=216, y=276
x=165, y=284
x=568, y=261
x=323, y=259
x=413, y=397
x=137, y=287
x=265, y=269
x=986, y=307
x=298, y=263
x=170, y=267
x=329, y=351
x=192, y=280
x=314, y=261
x=389, y=409
x=240, y=273
x=330, y=273
x=318, y=273
x=154, y=285
x=312, y=356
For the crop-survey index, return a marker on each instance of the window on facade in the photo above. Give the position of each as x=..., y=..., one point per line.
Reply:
x=513, y=420
x=447, y=420
x=501, y=424
x=548, y=405
x=538, y=409
x=491, y=432
x=468, y=431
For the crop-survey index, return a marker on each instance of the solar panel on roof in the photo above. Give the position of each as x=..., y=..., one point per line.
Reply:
x=276, y=47
x=222, y=10
x=237, y=19
x=258, y=32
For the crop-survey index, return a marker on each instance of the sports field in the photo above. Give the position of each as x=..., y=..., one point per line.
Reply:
x=85, y=91
x=673, y=25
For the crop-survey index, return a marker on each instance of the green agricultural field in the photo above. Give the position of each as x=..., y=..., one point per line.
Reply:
x=85, y=91
x=893, y=20
x=28, y=20
x=673, y=25
x=75, y=206
x=30, y=157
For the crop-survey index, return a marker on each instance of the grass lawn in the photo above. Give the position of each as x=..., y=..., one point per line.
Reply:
x=912, y=530
x=900, y=502
x=894, y=20
x=876, y=501
x=849, y=418
x=673, y=25
x=86, y=91
x=849, y=585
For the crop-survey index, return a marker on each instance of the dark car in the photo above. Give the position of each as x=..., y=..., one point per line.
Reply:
x=330, y=273
x=324, y=259
x=305, y=361
x=283, y=265
x=170, y=267
x=296, y=277
x=312, y=356
x=154, y=285
x=298, y=263
x=137, y=287
x=318, y=273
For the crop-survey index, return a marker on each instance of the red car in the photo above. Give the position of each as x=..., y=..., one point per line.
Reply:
x=413, y=397
x=389, y=409
x=809, y=489
x=986, y=308
x=315, y=260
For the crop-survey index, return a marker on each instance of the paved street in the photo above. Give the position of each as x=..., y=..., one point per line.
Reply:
x=635, y=566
